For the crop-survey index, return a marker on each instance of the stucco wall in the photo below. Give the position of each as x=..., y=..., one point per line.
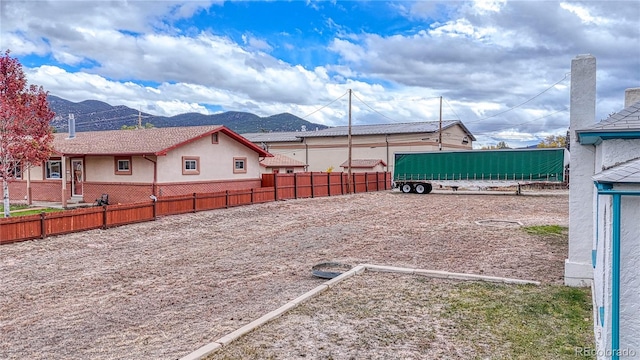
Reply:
x=617, y=151
x=602, y=274
x=216, y=161
x=321, y=153
x=629, y=274
x=102, y=169
x=629, y=278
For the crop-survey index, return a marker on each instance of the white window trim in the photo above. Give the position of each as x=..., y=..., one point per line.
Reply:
x=236, y=170
x=196, y=160
x=48, y=172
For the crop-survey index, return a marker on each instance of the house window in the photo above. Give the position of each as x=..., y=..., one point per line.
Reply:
x=123, y=165
x=289, y=171
x=16, y=171
x=190, y=165
x=239, y=165
x=53, y=169
x=214, y=138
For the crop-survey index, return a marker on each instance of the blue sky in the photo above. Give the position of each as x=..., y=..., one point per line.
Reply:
x=501, y=66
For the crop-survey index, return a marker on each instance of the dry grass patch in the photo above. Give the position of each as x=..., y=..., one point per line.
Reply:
x=384, y=316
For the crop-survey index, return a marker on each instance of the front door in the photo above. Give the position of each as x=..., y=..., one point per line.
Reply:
x=77, y=178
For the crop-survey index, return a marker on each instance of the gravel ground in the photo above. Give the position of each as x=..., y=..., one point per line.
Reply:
x=162, y=289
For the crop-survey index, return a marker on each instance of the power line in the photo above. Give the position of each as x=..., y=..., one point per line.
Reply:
x=524, y=122
x=525, y=102
x=315, y=111
x=374, y=110
x=450, y=107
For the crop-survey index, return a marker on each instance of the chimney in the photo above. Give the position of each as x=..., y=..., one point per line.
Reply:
x=631, y=96
x=578, y=270
x=72, y=126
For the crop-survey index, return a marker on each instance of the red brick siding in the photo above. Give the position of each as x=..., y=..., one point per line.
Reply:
x=119, y=193
x=123, y=193
x=41, y=190
x=205, y=187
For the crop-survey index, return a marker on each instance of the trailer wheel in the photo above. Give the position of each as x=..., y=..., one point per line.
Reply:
x=421, y=188
x=406, y=188
x=428, y=189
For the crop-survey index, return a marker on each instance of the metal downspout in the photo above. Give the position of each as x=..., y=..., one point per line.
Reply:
x=386, y=140
x=154, y=185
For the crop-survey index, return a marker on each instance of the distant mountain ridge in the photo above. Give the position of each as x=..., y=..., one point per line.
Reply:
x=94, y=115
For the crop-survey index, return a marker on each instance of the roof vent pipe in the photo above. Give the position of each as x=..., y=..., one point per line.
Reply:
x=72, y=126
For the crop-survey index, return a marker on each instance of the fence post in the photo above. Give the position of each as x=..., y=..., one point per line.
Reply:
x=353, y=183
x=366, y=182
x=295, y=185
x=313, y=187
x=226, y=199
x=275, y=187
x=329, y=184
x=104, y=217
x=43, y=229
x=341, y=183
x=251, y=196
x=155, y=209
x=194, y=202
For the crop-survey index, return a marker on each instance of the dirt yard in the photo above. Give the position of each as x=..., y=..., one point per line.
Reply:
x=160, y=290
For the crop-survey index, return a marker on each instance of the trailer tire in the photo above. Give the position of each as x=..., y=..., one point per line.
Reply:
x=406, y=188
x=429, y=188
x=421, y=188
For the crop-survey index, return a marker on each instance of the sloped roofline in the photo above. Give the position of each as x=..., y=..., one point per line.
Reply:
x=161, y=152
x=222, y=129
x=624, y=124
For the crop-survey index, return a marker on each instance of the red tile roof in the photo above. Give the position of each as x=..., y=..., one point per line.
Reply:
x=363, y=163
x=155, y=141
x=281, y=160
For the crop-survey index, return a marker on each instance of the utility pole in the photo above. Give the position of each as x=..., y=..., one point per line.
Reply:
x=349, y=146
x=139, y=118
x=440, y=128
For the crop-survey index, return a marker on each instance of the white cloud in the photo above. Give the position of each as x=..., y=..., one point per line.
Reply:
x=484, y=57
x=486, y=6
x=583, y=13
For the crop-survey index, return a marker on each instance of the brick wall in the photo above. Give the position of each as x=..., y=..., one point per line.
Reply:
x=206, y=187
x=41, y=190
x=119, y=193
x=123, y=193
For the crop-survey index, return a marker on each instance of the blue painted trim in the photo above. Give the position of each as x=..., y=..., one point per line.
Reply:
x=607, y=189
x=601, y=314
x=603, y=186
x=619, y=192
x=615, y=272
x=596, y=137
x=594, y=252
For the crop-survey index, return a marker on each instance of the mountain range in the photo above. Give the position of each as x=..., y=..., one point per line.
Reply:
x=93, y=115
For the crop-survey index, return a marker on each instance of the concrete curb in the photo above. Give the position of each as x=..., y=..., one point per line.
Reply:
x=212, y=347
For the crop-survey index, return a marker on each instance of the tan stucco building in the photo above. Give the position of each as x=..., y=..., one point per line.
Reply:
x=327, y=149
x=132, y=165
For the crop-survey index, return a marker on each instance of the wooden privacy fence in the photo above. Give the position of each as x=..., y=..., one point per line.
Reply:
x=274, y=187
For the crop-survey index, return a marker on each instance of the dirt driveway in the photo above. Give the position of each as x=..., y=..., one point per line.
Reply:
x=162, y=289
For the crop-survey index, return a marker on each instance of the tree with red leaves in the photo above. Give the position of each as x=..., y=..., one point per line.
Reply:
x=25, y=132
